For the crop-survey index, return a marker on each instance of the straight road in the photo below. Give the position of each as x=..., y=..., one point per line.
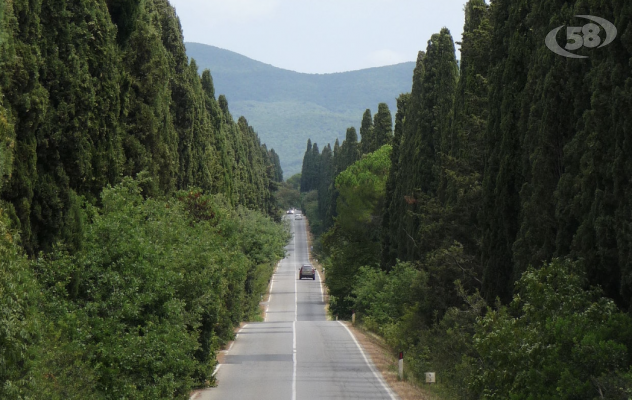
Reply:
x=296, y=354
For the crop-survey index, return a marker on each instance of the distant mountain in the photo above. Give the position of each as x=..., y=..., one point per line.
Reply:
x=286, y=107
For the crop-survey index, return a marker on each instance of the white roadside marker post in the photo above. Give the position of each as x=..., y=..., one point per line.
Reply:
x=401, y=365
x=353, y=317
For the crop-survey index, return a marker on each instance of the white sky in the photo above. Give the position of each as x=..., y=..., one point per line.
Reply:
x=320, y=36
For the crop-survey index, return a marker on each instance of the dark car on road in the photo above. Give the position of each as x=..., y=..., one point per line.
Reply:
x=307, y=271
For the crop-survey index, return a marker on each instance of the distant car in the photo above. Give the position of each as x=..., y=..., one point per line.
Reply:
x=307, y=271
x=298, y=217
x=290, y=212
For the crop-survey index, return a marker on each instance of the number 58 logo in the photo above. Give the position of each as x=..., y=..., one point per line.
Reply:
x=582, y=36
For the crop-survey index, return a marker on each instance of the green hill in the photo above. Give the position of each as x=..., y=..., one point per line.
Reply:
x=288, y=107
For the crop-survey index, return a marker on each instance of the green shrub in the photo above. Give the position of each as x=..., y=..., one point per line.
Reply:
x=382, y=298
x=556, y=340
x=157, y=287
x=20, y=320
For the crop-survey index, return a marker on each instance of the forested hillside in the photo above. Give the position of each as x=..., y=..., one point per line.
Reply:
x=489, y=236
x=287, y=107
x=137, y=217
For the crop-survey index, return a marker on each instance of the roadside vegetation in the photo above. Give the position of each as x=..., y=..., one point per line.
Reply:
x=485, y=236
x=142, y=309
x=138, y=219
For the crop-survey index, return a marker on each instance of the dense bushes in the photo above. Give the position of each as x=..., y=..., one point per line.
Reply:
x=558, y=339
x=141, y=309
x=19, y=317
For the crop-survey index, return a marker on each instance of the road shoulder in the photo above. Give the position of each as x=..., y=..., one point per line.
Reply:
x=385, y=362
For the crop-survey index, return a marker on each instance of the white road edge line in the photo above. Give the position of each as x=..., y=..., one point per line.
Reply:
x=376, y=373
x=322, y=294
x=216, y=369
x=269, y=297
x=227, y=350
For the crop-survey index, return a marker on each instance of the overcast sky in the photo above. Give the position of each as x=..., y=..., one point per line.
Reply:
x=320, y=36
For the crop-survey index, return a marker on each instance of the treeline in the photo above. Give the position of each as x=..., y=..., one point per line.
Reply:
x=493, y=247
x=319, y=171
x=95, y=91
x=137, y=218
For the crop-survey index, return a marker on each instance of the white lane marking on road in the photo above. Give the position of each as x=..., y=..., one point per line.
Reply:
x=377, y=375
x=294, y=360
x=294, y=326
x=295, y=286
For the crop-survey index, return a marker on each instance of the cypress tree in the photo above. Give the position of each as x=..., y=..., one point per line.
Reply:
x=350, y=149
x=382, y=128
x=313, y=173
x=439, y=84
x=593, y=192
x=402, y=240
x=219, y=139
x=326, y=173
x=71, y=145
x=366, y=132
x=337, y=156
x=426, y=126
x=306, y=169
x=333, y=192
x=276, y=163
x=503, y=178
x=151, y=140
x=554, y=99
x=223, y=105
x=389, y=221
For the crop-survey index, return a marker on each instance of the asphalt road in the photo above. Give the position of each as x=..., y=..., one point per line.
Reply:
x=296, y=354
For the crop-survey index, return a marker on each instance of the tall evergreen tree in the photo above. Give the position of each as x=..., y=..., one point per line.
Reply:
x=219, y=139
x=314, y=173
x=151, y=140
x=326, y=175
x=306, y=170
x=426, y=126
x=389, y=221
x=382, y=128
x=401, y=204
x=276, y=164
x=337, y=156
x=350, y=149
x=333, y=192
x=366, y=132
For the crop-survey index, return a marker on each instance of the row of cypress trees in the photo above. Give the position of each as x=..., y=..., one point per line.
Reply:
x=518, y=155
x=95, y=91
x=143, y=207
x=320, y=169
x=508, y=188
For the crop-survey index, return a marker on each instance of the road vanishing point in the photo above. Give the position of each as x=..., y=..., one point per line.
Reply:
x=296, y=354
